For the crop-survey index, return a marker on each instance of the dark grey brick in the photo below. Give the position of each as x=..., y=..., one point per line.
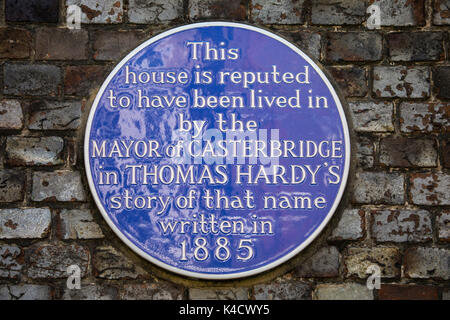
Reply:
x=408, y=152
x=32, y=10
x=441, y=77
x=415, y=46
x=218, y=9
x=353, y=46
x=31, y=79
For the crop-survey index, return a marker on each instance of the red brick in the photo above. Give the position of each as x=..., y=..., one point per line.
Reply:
x=79, y=80
x=61, y=44
x=446, y=154
x=353, y=46
x=407, y=292
x=15, y=43
x=112, y=45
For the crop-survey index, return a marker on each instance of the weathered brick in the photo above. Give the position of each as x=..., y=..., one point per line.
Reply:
x=370, y=116
x=11, y=261
x=443, y=224
x=12, y=183
x=351, y=80
x=401, y=225
x=61, y=44
x=408, y=152
x=55, y=115
x=15, y=43
x=430, y=188
x=57, y=186
x=344, y=291
x=24, y=223
x=441, y=77
x=11, y=115
x=351, y=226
x=424, y=263
x=401, y=12
x=308, y=42
x=155, y=11
x=51, y=261
x=151, y=291
x=79, y=224
x=441, y=12
x=81, y=80
x=218, y=293
x=232, y=9
x=112, y=45
x=407, y=292
x=415, y=46
x=34, y=151
x=25, y=292
x=424, y=117
x=31, y=79
x=365, y=150
x=32, y=11
x=112, y=265
x=344, y=12
x=353, y=46
x=99, y=11
x=358, y=260
x=283, y=289
x=91, y=292
x=278, y=11
x=379, y=188
x=323, y=264
x=401, y=82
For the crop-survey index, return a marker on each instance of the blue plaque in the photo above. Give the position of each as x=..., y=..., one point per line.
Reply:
x=217, y=150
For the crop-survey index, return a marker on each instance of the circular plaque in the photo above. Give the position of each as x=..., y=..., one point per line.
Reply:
x=217, y=150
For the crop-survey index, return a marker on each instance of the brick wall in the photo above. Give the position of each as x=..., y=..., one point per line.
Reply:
x=396, y=80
